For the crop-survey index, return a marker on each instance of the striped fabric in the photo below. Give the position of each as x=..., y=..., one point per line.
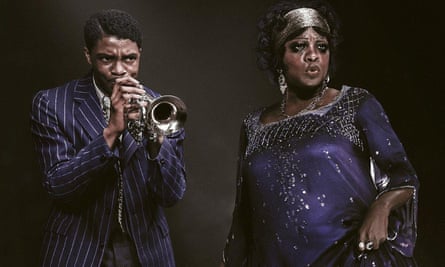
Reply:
x=79, y=174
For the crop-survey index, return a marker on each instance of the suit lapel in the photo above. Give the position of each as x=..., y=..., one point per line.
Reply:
x=89, y=113
x=129, y=146
x=90, y=116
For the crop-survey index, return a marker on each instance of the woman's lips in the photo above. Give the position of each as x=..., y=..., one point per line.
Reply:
x=313, y=69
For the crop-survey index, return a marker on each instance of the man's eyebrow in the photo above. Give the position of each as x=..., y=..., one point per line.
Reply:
x=105, y=54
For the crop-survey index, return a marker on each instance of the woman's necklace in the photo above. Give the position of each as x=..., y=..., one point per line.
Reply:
x=309, y=107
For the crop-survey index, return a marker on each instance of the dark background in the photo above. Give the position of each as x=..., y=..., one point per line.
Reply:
x=203, y=52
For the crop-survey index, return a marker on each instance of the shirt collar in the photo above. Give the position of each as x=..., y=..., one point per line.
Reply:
x=99, y=92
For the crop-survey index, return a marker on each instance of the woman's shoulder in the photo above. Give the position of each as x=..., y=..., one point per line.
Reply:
x=254, y=114
x=361, y=99
x=354, y=93
x=354, y=90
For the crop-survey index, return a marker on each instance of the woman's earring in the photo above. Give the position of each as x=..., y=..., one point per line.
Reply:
x=282, y=81
x=326, y=82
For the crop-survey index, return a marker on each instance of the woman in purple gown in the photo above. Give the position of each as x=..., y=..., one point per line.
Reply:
x=323, y=180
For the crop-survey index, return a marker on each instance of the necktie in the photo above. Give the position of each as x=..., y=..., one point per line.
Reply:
x=106, y=106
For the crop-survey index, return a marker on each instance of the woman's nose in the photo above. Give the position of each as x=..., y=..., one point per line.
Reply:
x=312, y=54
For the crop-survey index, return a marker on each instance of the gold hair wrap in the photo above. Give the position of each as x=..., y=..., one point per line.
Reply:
x=298, y=19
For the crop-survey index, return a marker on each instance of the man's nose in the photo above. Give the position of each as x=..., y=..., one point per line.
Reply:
x=118, y=69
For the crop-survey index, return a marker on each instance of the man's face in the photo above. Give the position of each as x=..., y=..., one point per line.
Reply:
x=113, y=58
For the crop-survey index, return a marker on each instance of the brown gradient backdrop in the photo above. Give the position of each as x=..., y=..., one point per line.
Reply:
x=203, y=52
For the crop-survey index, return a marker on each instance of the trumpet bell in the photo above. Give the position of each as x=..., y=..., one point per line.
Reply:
x=167, y=114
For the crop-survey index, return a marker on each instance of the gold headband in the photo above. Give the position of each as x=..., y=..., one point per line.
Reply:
x=298, y=19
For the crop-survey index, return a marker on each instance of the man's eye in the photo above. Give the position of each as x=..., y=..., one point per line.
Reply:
x=105, y=59
x=130, y=59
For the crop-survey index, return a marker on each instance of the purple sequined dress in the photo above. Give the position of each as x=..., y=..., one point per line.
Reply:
x=305, y=183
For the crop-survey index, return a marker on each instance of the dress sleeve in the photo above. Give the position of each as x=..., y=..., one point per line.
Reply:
x=384, y=146
x=396, y=171
x=236, y=249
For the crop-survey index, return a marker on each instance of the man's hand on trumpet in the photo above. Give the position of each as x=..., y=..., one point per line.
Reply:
x=123, y=108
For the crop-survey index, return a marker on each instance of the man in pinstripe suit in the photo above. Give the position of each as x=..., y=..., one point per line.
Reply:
x=107, y=190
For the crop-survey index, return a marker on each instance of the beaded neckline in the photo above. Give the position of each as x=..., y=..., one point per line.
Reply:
x=319, y=111
x=309, y=107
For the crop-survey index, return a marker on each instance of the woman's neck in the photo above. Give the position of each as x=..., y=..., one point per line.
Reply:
x=304, y=93
x=300, y=100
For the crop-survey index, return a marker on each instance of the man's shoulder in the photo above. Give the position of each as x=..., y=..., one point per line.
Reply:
x=67, y=88
x=66, y=91
x=76, y=83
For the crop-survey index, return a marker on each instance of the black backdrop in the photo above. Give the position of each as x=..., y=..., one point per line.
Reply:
x=203, y=52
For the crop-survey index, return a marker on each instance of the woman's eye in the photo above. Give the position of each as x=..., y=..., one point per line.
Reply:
x=323, y=47
x=298, y=47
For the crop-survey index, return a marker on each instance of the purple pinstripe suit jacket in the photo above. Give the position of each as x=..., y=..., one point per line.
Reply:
x=80, y=176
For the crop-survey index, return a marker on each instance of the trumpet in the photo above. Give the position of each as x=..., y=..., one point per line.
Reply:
x=163, y=115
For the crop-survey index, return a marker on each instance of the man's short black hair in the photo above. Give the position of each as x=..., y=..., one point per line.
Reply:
x=111, y=22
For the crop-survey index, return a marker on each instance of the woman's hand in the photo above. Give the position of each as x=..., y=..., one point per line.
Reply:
x=374, y=229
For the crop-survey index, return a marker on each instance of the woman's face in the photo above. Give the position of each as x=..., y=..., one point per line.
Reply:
x=306, y=59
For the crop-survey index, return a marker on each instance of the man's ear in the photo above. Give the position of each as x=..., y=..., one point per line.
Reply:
x=87, y=55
